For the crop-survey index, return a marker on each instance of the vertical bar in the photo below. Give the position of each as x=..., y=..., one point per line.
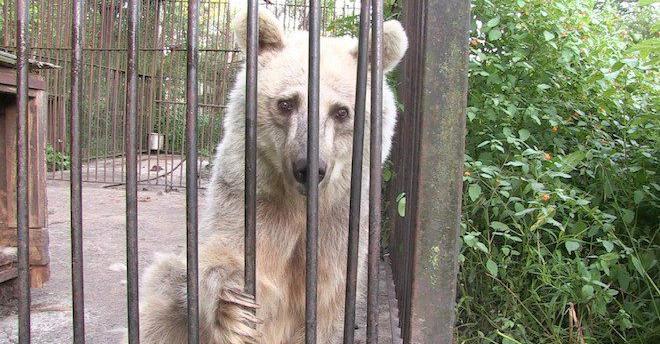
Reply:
x=77, y=285
x=311, y=247
x=22, y=216
x=375, y=176
x=356, y=175
x=440, y=135
x=251, y=150
x=191, y=174
x=131, y=173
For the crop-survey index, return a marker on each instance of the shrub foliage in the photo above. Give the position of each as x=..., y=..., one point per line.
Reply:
x=561, y=210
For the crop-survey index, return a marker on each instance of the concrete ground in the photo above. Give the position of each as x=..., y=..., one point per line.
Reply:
x=161, y=228
x=104, y=260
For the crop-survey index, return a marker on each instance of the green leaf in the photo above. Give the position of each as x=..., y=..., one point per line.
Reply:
x=474, y=191
x=401, y=204
x=646, y=47
x=638, y=196
x=491, y=266
x=524, y=134
x=542, y=87
x=572, y=246
x=569, y=162
x=387, y=174
x=548, y=35
x=482, y=247
x=647, y=2
x=587, y=291
x=493, y=22
x=499, y=226
x=638, y=265
x=609, y=246
x=628, y=216
x=494, y=34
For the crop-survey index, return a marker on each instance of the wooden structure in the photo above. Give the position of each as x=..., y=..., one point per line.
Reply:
x=37, y=113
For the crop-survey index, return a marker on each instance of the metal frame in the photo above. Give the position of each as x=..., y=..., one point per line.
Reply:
x=433, y=126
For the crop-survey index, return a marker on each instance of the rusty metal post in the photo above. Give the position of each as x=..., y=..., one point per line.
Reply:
x=131, y=173
x=375, y=168
x=77, y=285
x=22, y=149
x=441, y=92
x=311, y=247
x=251, y=149
x=356, y=176
x=191, y=174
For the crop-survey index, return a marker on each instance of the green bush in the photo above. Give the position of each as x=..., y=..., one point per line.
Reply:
x=56, y=161
x=561, y=211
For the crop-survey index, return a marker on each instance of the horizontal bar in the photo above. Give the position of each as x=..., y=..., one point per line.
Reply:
x=311, y=248
x=77, y=284
x=356, y=176
x=125, y=49
x=184, y=103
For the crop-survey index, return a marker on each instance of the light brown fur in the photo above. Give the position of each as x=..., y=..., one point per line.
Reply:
x=225, y=316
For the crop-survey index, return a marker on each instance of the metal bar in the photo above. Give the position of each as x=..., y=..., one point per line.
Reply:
x=77, y=285
x=22, y=148
x=443, y=34
x=356, y=175
x=131, y=173
x=251, y=149
x=191, y=174
x=311, y=248
x=375, y=176
x=42, y=47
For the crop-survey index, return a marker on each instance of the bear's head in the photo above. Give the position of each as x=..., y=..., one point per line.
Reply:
x=283, y=103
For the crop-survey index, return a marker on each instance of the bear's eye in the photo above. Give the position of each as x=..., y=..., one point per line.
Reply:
x=341, y=113
x=286, y=105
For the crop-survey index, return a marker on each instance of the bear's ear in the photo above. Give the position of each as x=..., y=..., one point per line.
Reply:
x=271, y=34
x=395, y=44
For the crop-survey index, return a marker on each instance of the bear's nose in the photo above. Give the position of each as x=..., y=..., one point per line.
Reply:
x=300, y=168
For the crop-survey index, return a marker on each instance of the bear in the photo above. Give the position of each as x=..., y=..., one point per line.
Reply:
x=277, y=316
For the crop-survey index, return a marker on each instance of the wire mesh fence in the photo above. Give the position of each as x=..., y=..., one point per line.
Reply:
x=161, y=78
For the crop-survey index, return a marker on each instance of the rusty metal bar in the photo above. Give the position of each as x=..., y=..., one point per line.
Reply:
x=77, y=285
x=191, y=174
x=356, y=175
x=311, y=248
x=375, y=172
x=251, y=149
x=437, y=132
x=130, y=147
x=22, y=148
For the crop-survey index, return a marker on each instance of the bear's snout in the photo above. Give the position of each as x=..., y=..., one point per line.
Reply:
x=300, y=168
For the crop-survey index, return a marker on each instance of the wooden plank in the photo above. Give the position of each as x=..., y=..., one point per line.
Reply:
x=8, y=77
x=4, y=212
x=7, y=273
x=39, y=243
x=37, y=108
x=36, y=164
x=9, y=149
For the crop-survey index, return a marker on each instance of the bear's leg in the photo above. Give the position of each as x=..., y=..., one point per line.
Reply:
x=227, y=313
x=224, y=310
x=163, y=316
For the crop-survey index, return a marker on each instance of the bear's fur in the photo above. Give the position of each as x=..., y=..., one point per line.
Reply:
x=225, y=312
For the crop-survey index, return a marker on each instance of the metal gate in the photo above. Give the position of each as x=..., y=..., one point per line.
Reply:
x=428, y=158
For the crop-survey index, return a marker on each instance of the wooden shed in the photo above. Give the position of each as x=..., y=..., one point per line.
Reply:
x=37, y=119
